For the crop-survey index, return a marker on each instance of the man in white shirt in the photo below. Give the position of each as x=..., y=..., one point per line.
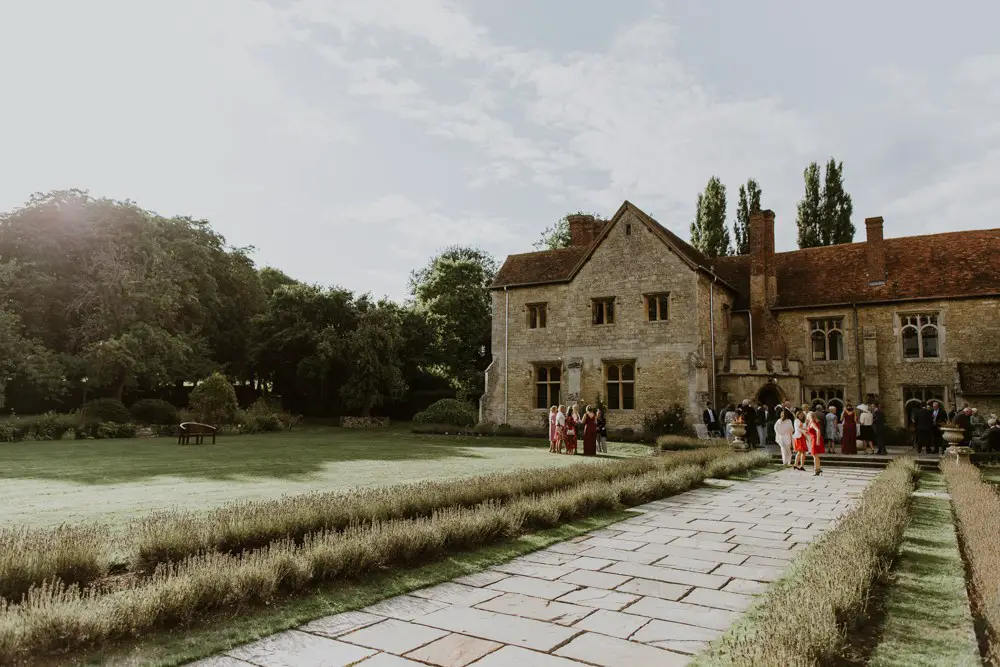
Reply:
x=561, y=425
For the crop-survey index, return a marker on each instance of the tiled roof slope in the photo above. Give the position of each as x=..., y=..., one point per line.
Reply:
x=980, y=379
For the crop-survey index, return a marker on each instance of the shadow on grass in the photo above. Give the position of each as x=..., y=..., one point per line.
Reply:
x=286, y=455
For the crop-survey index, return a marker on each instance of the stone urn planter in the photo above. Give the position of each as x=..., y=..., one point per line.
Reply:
x=739, y=431
x=959, y=453
x=953, y=436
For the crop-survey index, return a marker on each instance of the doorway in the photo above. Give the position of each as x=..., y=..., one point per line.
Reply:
x=769, y=395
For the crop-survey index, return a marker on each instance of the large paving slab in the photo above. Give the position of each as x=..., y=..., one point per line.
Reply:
x=654, y=589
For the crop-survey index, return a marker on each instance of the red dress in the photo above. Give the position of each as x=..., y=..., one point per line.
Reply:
x=799, y=443
x=849, y=441
x=569, y=434
x=815, y=436
x=589, y=435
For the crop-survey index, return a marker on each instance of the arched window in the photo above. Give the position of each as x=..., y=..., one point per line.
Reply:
x=824, y=397
x=547, y=383
x=920, y=336
x=620, y=382
x=827, y=339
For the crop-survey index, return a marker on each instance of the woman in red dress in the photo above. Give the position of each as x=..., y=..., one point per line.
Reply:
x=814, y=436
x=553, y=431
x=799, y=441
x=849, y=439
x=569, y=434
x=589, y=432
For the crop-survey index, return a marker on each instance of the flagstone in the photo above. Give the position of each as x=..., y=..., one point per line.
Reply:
x=670, y=575
x=405, y=607
x=523, y=632
x=300, y=649
x=455, y=650
x=719, y=599
x=656, y=589
x=537, y=570
x=767, y=574
x=511, y=656
x=612, y=623
x=661, y=550
x=675, y=636
x=540, y=609
x=599, y=598
x=452, y=593
x=595, y=579
x=394, y=636
x=541, y=588
x=611, y=652
x=682, y=612
x=341, y=624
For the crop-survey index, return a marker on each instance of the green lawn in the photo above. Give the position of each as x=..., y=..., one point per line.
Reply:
x=927, y=615
x=51, y=482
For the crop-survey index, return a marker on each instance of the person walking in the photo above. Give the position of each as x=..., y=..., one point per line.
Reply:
x=750, y=419
x=711, y=419
x=569, y=436
x=830, y=426
x=867, y=423
x=814, y=436
x=730, y=417
x=926, y=430
x=589, y=432
x=784, y=430
x=763, y=416
x=878, y=421
x=560, y=429
x=553, y=438
x=849, y=437
x=602, y=432
x=799, y=443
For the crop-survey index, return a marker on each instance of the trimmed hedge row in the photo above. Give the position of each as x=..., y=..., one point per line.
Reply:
x=977, y=509
x=805, y=618
x=59, y=619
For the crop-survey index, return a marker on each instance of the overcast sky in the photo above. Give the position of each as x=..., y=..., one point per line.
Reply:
x=348, y=140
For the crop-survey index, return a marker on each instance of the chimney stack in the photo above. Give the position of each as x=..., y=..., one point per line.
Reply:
x=875, y=251
x=583, y=229
x=763, y=283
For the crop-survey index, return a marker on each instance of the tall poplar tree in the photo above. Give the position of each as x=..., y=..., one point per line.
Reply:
x=810, y=213
x=709, y=232
x=837, y=207
x=749, y=204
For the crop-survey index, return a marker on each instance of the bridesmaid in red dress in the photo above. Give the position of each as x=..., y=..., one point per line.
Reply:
x=814, y=435
x=589, y=432
x=569, y=436
x=849, y=440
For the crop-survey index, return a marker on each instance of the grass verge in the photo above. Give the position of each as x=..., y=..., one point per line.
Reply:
x=84, y=554
x=165, y=649
x=805, y=617
x=57, y=619
x=977, y=508
x=927, y=615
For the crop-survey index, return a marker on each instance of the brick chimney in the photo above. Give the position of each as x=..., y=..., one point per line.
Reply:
x=763, y=283
x=583, y=229
x=875, y=251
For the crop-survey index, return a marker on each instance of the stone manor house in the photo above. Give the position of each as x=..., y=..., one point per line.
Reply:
x=636, y=316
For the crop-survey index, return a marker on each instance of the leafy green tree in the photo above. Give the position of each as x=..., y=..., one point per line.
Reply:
x=825, y=214
x=376, y=375
x=810, y=210
x=709, y=232
x=214, y=400
x=557, y=236
x=26, y=359
x=453, y=292
x=272, y=278
x=836, y=207
x=749, y=204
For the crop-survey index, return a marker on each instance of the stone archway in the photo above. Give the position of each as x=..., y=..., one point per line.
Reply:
x=770, y=395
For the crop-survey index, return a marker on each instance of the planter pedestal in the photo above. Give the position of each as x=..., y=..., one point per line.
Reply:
x=738, y=443
x=960, y=454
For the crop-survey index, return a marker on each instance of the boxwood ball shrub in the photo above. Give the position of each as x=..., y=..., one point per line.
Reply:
x=154, y=412
x=214, y=400
x=106, y=410
x=448, y=411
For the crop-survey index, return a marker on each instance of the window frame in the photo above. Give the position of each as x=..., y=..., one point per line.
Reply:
x=832, y=324
x=927, y=392
x=620, y=365
x=548, y=383
x=918, y=322
x=603, y=302
x=533, y=311
x=826, y=394
x=660, y=299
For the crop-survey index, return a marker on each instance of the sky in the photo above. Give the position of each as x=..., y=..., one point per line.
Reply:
x=348, y=141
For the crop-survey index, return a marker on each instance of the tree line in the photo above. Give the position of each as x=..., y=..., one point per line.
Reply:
x=101, y=298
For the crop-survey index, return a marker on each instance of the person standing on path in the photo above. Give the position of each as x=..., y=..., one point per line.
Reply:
x=553, y=431
x=560, y=428
x=878, y=421
x=831, y=428
x=569, y=430
x=763, y=416
x=814, y=435
x=849, y=438
x=799, y=441
x=784, y=429
x=589, y=432
x=602, y=432
x=867, y=423
x=750, y=419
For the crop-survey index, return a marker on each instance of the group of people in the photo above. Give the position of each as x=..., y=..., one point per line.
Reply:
x=563, y=423
x=980, y=434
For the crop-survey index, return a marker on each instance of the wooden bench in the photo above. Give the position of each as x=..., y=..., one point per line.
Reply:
x=189, y=430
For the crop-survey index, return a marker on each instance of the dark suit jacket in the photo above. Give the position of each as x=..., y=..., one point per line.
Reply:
x=941, y=418
x=965, y=422
x=763, y=415
x=924, y=419
x=749, y=416
x=710, y=418
x=993, y=439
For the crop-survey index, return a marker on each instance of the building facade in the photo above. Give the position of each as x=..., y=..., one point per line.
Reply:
x=633, y=316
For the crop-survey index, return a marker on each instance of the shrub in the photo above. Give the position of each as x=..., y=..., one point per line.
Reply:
x=671, y=421
x=977, y=506
x=214, y=400
x=832, y=579
x=8, y=432
x=55, y=618
x=106, y=410
x=673, y=443
x=263, y=417
x=365, y=422
x=111, y=431
x=448, y=411
x=154, y=412
x=48, y=426
x=71, y=554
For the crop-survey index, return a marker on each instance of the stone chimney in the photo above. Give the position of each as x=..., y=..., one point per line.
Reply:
x=583, y=229
x=763, y=281
x=875, y=251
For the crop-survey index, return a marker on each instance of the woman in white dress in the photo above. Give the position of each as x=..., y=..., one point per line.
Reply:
x=784, y=431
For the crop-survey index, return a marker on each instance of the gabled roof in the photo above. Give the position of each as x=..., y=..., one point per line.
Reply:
x=980, y=379
x=557, y=266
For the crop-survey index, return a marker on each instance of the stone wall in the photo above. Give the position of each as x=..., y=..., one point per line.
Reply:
x=672, y=357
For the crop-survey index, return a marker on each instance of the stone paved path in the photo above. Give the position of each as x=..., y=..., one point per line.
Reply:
x=651, y=590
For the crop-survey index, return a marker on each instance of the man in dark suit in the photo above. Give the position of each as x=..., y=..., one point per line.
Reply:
x=926, y=429
x=940, y=417
x=878, y=421
x=964, y=419
x=710, y=418
x=750, y=419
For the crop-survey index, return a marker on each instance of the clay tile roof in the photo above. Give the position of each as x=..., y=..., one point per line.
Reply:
x=980, y=379
x=546, y=266
x=735, y=270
